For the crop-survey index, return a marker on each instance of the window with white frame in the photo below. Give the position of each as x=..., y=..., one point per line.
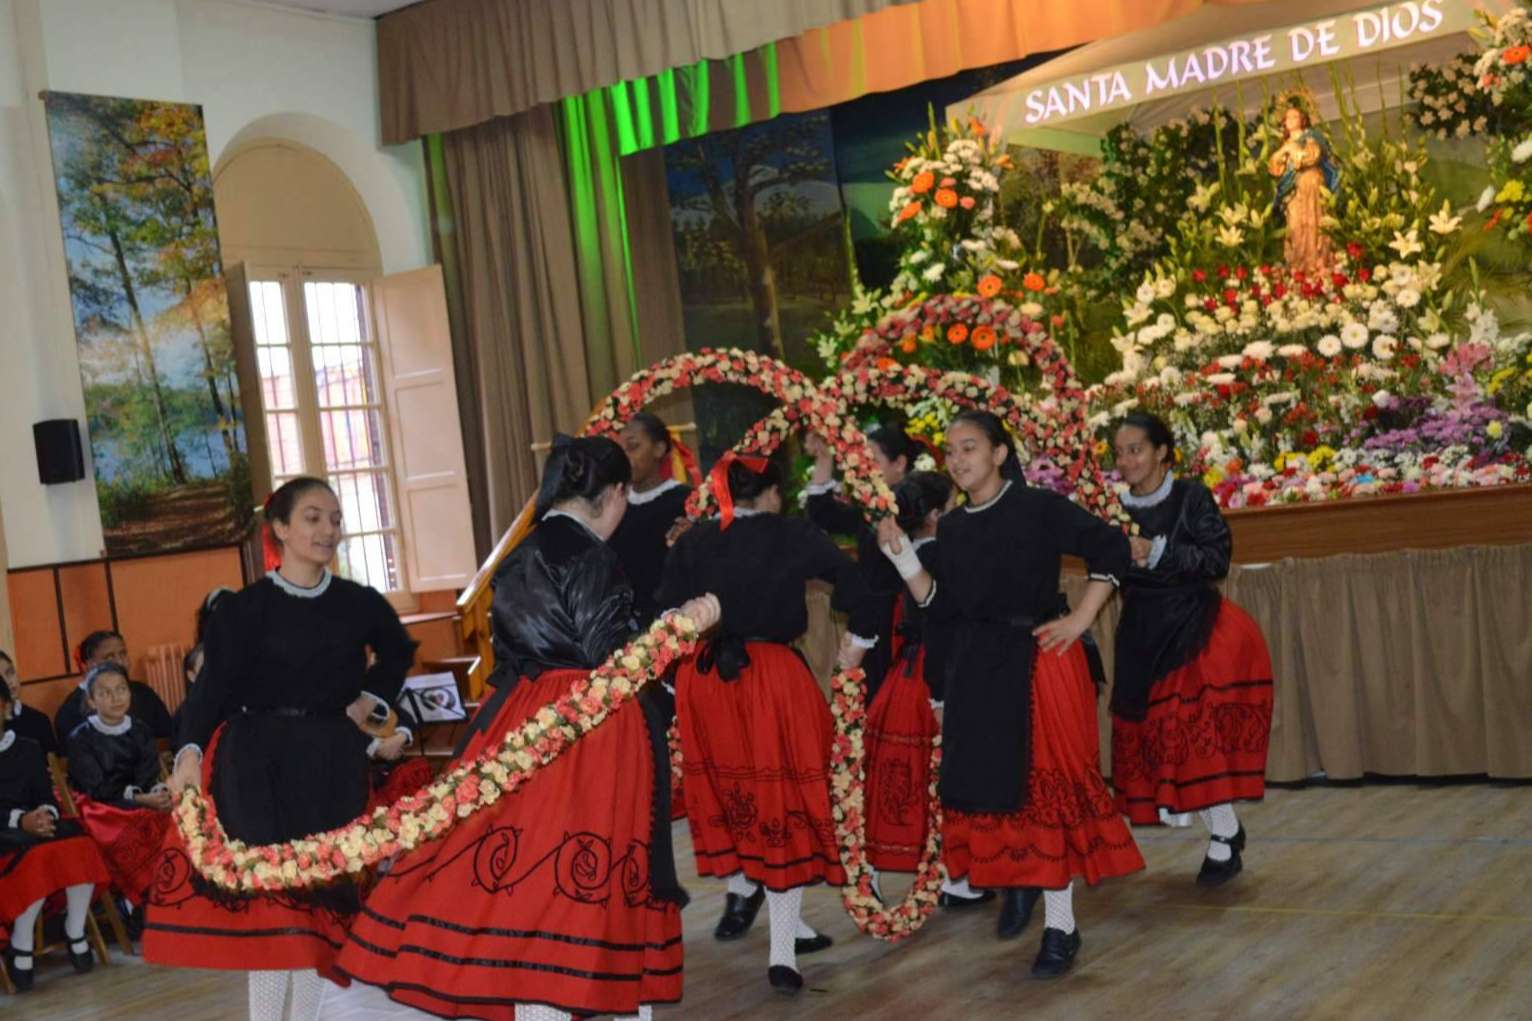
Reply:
x=323, y=407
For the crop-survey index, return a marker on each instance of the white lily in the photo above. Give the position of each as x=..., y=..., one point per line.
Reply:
x=1407, y=244
x=1444, y=222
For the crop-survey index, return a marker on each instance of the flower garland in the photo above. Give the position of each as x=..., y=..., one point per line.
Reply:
x=431, y=812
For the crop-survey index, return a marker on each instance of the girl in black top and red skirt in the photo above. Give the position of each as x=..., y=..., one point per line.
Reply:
x=1191, y=704
x=1025, y=805
x=273, y=730
x=561, y=898
x=40, y=854
x=656, y=502
x=755, y=728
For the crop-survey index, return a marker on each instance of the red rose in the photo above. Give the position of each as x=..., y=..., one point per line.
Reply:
x=1279, y=290
x=1339, y=279
x=1364, y=274
x=1199, y=276
x=1223, y=272
x=1210, y=304
x=1242, y=273
x=1231, y=296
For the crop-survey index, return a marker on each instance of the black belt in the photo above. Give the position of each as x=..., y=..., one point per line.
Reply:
x=287, y=710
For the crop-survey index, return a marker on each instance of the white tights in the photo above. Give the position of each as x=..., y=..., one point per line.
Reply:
x=538, y=1012
x=1221, y=822
x=269, y=995
x=77, y=900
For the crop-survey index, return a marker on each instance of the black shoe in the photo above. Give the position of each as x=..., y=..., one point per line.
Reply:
x=133, y=922
x=813, y=945
x=1016, y=910
x=739, y=914
x=82, y=962
x=784, y=979
x=1216, y=873
x=1057, y=954
x=954, y=902
x=21, y=978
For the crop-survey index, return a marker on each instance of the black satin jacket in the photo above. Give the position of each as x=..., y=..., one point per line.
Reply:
x=1169, y=610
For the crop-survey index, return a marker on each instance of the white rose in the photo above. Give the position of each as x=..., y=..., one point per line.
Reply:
x=1384, y=347
x=1407, y=297
x=1145, y=293
x=1354, y=335
x=1230, y=361
x=1382, y=398
x=1263, y=415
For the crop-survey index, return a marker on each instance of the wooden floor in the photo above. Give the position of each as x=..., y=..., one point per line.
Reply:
x=1388, y=902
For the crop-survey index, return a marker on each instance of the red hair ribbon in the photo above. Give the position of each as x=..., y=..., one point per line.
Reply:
x=720, y=479
x=271, y=552
x=682, y=463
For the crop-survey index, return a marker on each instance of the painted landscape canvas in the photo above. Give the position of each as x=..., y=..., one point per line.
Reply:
x=151, y=320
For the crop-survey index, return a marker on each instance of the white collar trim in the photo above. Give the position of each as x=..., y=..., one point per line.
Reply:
x=747, y=512
x=917, y=543
x=637, y=499
x=975, y=508
x=7, y=739
x=313, y=592
x=114, y=730
x=571, y=517
x=1157, y=497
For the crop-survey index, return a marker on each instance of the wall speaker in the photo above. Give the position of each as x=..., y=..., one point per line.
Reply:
x=60, y=457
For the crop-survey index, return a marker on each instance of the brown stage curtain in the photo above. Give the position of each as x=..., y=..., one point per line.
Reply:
x=1415, y=663
x=450, y=64
x=522, y=344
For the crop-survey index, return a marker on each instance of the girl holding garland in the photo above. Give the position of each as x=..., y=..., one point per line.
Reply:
x=1191, y=702
x=561, y=899
x=1025, y=805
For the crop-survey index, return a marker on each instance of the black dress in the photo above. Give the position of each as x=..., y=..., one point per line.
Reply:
x=1192, y=700
x=145, y=706
x=104, y=766
x=880, y=582
x=31, y=867
x=34, y=725
x=563, y=892
x=755, y=728
x=1021, y=780
x=639, y=542
x=283, y=760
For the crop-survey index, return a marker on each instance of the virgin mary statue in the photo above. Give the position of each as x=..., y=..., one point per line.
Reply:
x=1306, y=176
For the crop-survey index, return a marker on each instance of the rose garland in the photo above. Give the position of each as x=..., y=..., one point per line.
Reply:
x=432, y=811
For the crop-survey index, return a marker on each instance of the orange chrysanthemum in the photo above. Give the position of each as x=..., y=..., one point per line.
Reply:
x=989, y=285
x=923, y=182
x=907, y=345
x=1516, y=55
x=1034, y=282
x=957, y=333
x=983, y=338
x=912, y=209
x=946, y=198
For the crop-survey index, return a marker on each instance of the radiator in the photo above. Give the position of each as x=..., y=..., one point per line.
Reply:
x=162, y=672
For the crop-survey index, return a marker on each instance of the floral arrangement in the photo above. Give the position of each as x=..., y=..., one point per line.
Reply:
x=428, y=814
x=848, y=799
x=1502, y=75
x=1448, y=100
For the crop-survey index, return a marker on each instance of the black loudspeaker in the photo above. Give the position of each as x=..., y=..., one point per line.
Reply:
x=59, y=455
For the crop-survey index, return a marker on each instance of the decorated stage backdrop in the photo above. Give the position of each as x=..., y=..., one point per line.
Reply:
x=151, y=321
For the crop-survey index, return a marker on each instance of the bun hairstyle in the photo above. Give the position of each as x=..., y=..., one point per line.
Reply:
x=654, y=427
x=99, y=671
x=86, y=650
x=1158, y=432
x=279, y=507
x=994, y=430
x=894, y=442
x=581, y=468
x=745, y=484
x=920, y=493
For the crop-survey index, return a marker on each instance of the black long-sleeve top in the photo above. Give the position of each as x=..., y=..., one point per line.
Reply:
x=34, y=725
x=1169, y=608
x=279, y=671
x=145, y=706
x=24, y=787
x=757, y=568
x=639, y=543
x=111, y=767
x=997, y=577
x=880, y=582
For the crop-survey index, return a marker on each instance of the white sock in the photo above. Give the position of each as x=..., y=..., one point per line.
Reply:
x=1221, y=822
x=645, y=1013
x=1178, y=820
x=268, y=995
x=958, y=888
x=1059, y=909
x=77, y=899
x=805, y=931
x=741, y=886
x=21, y=935
x=539, y=1012
x=785, y=911
x=877, y=886
x=308, y=995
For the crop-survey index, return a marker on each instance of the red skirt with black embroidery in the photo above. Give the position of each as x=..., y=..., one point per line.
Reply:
x=1069, y=828
x=900, y=727
x=756, y=754
x=1204, y=740
x=192, y=924
x=542, y=898
x=29, y=874
x=130, y=840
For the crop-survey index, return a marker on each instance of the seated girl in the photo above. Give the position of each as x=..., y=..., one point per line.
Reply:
x=40, y=854
x=24, y=720
x=116, y=770
x=147, y=707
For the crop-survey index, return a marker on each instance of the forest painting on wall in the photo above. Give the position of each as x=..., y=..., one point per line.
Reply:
x=151, y=320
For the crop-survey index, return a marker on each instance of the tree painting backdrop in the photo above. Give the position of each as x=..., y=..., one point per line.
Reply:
x=761, y=248
x=152, y=322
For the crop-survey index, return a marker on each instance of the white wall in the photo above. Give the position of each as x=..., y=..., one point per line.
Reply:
x=258, y=73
